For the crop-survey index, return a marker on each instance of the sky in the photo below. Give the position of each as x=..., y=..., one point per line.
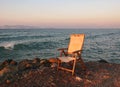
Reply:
x=61, y=13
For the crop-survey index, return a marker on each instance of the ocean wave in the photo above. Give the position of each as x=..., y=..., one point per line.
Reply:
x=28, y=45
x=36, y=45
x=7, y=45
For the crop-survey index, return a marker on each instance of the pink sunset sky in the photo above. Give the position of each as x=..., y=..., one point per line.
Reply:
x=61, y=13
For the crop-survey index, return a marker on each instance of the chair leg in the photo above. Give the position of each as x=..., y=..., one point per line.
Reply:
x=59, y=63
x=73, y=70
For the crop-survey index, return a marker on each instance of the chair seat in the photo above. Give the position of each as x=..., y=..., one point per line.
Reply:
x=66, y=59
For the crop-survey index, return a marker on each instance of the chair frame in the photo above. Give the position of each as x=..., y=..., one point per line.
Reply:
x=76, y=57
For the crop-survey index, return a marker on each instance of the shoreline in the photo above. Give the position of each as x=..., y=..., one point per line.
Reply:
x=43, y=72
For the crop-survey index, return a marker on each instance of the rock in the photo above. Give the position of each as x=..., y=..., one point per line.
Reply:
x=13, y=62
x=45, y=62
x=25, y=64
x=42, y=61
x=88, y=81
x=36, y=60
x=52, y=60
x=8, y=81
x=36, y=63
x=102, y=61
x=117, y=82
x=2, y=66
x=4, y=70
x=7, y=62
x=106, y=77
x=33, y=64
x=28, y=65
x=53, y=65
x=78, y=78
x=8, y=69
x=53, y=84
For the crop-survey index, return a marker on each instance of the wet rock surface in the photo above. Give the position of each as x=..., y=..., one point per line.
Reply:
x=43, y=73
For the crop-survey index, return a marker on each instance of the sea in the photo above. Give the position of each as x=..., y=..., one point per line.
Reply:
x=19, y=44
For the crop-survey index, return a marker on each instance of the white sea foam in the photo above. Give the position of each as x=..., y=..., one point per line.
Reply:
x=7, y=45
x=10, y=45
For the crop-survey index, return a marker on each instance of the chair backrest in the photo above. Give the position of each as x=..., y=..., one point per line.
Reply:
x=76, y=42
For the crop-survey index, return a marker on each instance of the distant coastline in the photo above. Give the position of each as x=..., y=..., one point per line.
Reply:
x=38, y=27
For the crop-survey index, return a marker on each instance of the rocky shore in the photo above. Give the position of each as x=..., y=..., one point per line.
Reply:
x=43, y=73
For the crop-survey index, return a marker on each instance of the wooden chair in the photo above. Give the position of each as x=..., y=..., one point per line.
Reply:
x=72, y=53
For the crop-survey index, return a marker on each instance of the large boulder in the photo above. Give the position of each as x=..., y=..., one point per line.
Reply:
x=102, y=61
x=36, y=62
x=8, y=62
x=8, y=69
x=45, y=62
x=52, y=60
x=25, y=64
x=29, y=64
